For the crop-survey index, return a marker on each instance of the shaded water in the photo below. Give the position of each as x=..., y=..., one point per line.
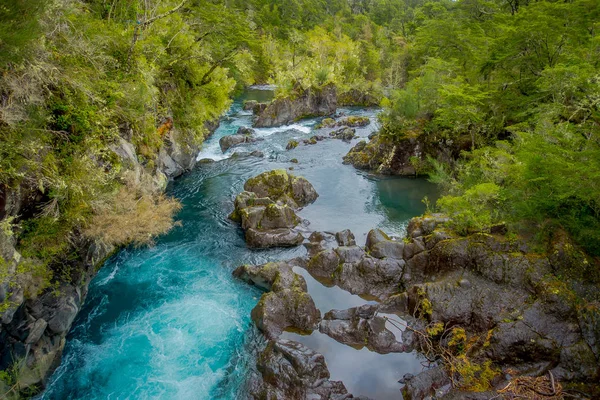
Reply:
x=170, y=321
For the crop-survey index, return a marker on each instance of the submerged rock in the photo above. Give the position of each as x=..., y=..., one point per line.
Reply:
x=311, y=102
x=345, y=134
x=243, y=135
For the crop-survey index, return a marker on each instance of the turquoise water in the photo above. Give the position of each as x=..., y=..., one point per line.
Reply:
x=170, y=322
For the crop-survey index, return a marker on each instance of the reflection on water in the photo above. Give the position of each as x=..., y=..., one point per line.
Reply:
x=363, y=372
x=330, y=298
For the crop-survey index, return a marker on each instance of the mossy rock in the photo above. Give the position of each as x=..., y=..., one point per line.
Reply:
x=282, y=187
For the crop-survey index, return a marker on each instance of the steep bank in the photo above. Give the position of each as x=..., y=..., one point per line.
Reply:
x=34, y=325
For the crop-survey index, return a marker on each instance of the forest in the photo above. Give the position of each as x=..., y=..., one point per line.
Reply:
x=512, y=85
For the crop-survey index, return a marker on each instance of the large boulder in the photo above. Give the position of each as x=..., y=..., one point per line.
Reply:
x=280, y=186
x=287, y=305
x=379, y=245
x=302, y=104
x=282, y=237
x=266, y=208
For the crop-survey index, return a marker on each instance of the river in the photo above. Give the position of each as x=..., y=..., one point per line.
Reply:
x=170, y=322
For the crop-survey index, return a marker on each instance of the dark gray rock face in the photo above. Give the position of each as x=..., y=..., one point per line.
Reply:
x=360, y=327
x=243, y=135
x=292, y=371
x=287, y=305
x=425, y=384
x=307, y=103
x=345, y=238
x=488, y=285
x=379, y=245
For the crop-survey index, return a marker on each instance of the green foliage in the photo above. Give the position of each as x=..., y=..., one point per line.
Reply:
x=19, y=26
x=517, y=85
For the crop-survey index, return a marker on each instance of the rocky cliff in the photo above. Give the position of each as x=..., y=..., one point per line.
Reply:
x=312, y=102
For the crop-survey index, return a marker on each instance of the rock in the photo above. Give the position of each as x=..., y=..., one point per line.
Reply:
x=379, y=245
x=425, y=384
x=355, y=97
x=324, y=264
x=294, y=161
x=243, y=135
x=326, y=123
x=281, y=186
x=272, y=216
x=345, y=134
x=266, y=208
x=168, y=165
x=318, y=242
x=402, y=157
x=589, y=321
x=304, y=103
x=375, y=236
x=249, y=105
x=345, y=238
x=287, y=305
x=36, y=331
x=292, y=144
x=350, y=254
x=65, y=312
x=273, y=238
x=290, y=370
x=354, y=121
x=358, y=327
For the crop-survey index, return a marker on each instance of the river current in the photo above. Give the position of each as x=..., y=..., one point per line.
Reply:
x=170, y=322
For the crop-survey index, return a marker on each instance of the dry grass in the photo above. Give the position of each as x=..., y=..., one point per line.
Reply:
x=533, y=388
x=132, y=218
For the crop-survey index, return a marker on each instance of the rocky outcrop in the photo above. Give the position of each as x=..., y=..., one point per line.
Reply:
x=345, y=134
x=266, y=208
x=287, y=305
x=352, y=121
x=178, y=155
x=500, y=290
x=355, y=97
x=405, y=157
x=306, y=103
x=290, y=370
x=243, y=135
x=354, y=269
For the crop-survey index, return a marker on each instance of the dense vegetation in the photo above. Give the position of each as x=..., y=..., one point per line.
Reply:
x=515, y=85
x=77, y=76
